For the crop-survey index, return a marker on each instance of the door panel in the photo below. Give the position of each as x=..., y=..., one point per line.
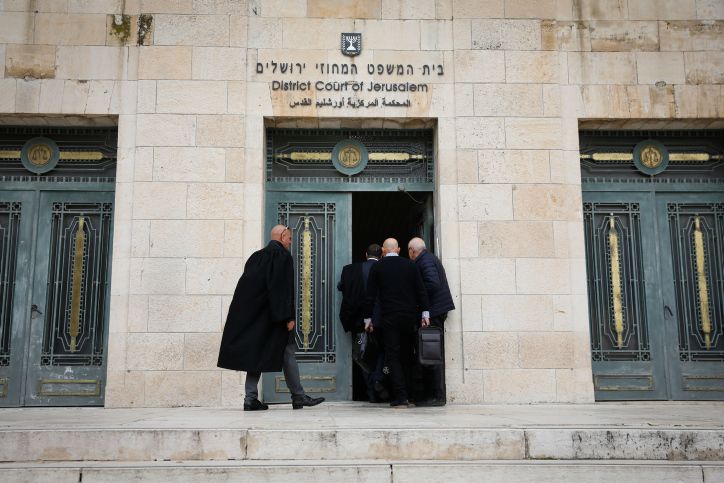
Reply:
x=626, y=327
x=17, y=210
x=691, y=233
x=321, y=225
x=68, y=327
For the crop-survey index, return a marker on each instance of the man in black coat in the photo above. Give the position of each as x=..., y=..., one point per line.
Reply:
x=257, y=336
x=353, y=285
x=441, y=302
x=403, y=305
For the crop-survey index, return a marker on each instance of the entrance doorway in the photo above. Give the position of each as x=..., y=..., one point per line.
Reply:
x=334, y=216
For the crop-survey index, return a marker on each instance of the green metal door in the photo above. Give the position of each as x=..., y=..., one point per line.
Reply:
x=54, y=328
x=321, y=225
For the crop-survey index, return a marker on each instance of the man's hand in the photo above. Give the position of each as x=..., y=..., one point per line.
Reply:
x=290, y=326
x=425, y=322
x=368, y=326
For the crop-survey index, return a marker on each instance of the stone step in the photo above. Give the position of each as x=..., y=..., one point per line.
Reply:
x=365, y=471
x=345, y=443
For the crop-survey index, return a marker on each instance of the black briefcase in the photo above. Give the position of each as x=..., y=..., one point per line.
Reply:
x=429, y=346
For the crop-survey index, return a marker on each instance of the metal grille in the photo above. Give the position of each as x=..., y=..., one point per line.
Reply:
x=697, y=244
x=313, y=244
x=396, y=156
x=617, y=303
x=9, y=224
x=77, y=279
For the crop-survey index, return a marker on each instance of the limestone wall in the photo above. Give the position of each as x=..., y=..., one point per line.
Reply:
x=181, y=76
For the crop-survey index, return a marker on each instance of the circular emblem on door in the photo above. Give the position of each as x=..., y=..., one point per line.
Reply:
x=651, y=157
x=40, y=155
x=349, y=157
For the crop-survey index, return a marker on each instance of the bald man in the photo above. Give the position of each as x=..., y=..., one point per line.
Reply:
x=257, y=336
x=403, y=305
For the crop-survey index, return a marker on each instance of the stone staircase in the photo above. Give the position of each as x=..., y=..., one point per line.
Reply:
x=354, y=442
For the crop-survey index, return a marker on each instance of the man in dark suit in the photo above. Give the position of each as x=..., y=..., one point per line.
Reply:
x=403, y=305
x=441, y=302
x=257, y=336
x=353, y=285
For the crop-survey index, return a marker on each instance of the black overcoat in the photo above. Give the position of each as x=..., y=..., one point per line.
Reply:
x=255, y=333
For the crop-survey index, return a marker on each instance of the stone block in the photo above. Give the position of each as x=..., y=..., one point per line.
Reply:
x=519, y=385
x=237, y=30
x=508, y=100
x=159, y=201
x=344, y=8
x=232, y=389
x=533, y=67
x=692, y=35
x=189, y=164
x=484, y=202
x=497, y=350
x=217, y=276
x=196, y=30
x=191, y=97
x=517, y=313
x=166, y=6
x=27, y=96
x=184, y=313
x=536, y=133
x=166, y=130
x=219, y=63
x=464, y=386
x=618, y=36
x=157, y=276
x=472, y=314
x=569, y=239
x=479, y=66
x=75, y=96
x=549, y=276
x=187, y=238
x=223, y=7
x=464, y=105
x=82, y=29
x=319, y=34
x=408, y=9
x=264, y=33
x=653, y=67
x=381, y=34
x=513, y=166
x=487, y=276
x=95, y=6
x=165, y=62
x=546, y=350
x=88, y=63
x=704, y=67
x=124, y=389
x=143, y=164
x=602, y=68
x=17, y=28
x=99, y=97
x=462, y=34
x=547, y=202
x=183, y=388
x=601, y=9
x=709, y=9
x=221, y=131
x=527, y=9
x=662, y=9
x=565, y=36
x=478, y=9
x=138, y=313
x=233, y=239
x=512, y=239
x=201, y=351
x=493, y=34
x=234, y=162
x=155, y=351
x=204, y=201
x=8, y=88
x=436, y=35
x=35, y=61
x=146, y=101
x=480, y=132
x=467, y=165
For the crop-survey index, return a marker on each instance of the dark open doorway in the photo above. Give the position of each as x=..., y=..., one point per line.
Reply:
x=377, y=216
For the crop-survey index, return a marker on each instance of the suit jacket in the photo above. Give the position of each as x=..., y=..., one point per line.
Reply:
x=398, y=284
x=255, y=334
x=435, y=280
x=353, y=285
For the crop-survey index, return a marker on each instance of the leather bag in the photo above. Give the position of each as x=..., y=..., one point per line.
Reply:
x=429, y=346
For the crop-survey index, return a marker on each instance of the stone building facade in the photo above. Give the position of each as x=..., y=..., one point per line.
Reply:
x=192, y=86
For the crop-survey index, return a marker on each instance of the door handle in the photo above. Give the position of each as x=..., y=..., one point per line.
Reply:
x=668, y=313
x=34, y=311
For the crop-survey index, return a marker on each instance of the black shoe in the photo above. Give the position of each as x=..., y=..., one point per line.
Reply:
x=298, y=402
x=431, y=402
x=400, y=404
x=254, y=405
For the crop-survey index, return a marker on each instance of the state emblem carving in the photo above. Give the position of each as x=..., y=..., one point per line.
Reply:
x=351, y=43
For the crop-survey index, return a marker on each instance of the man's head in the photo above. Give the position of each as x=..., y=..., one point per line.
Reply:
x=415, y=247
x=283, y=235
x=373, y=251
x=390, y=246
